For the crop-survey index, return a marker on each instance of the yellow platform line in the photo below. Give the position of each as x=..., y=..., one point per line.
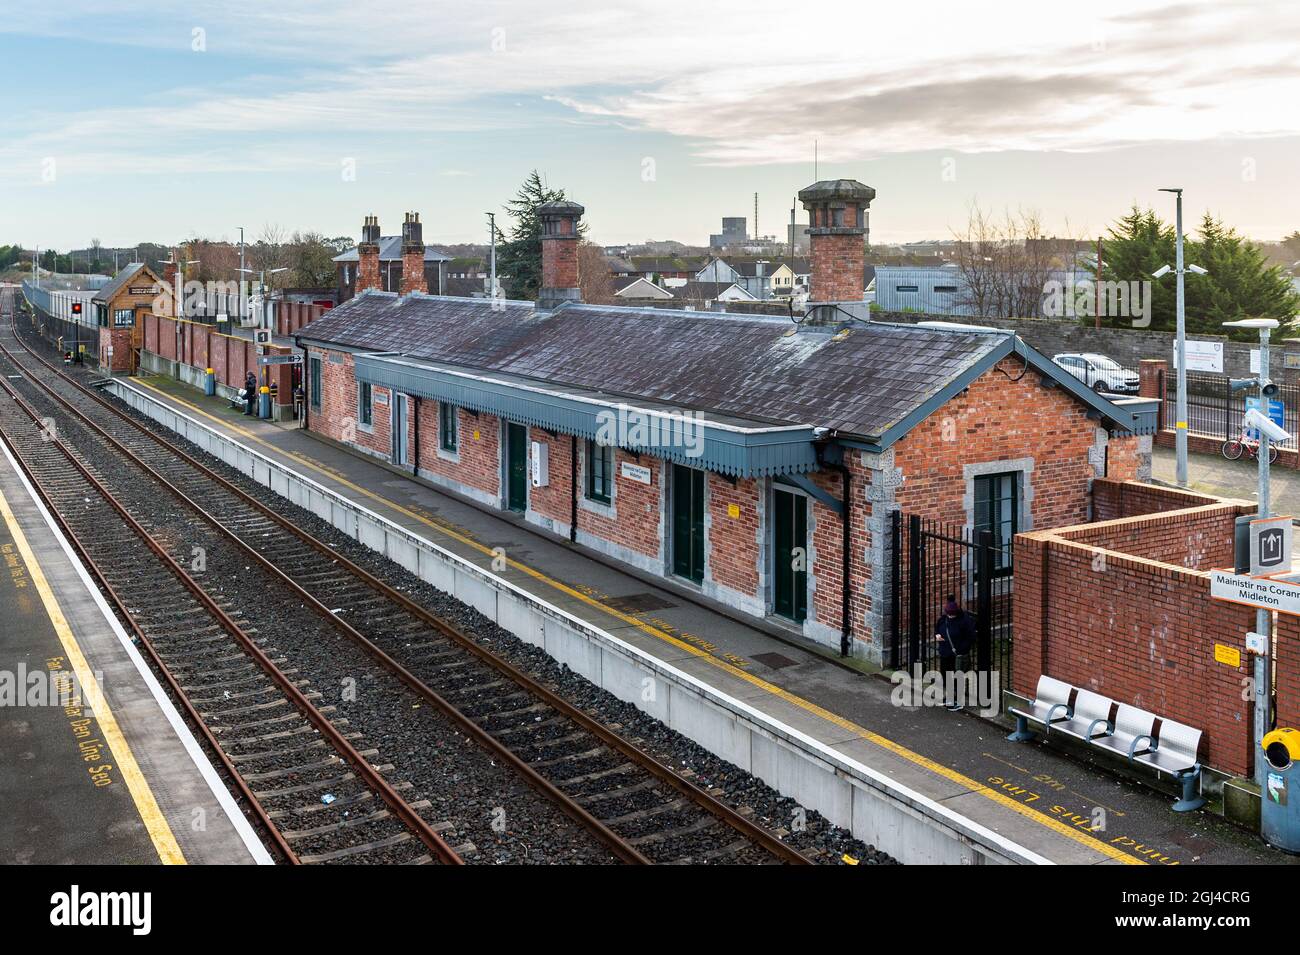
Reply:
x=164, y=841
x=1002, y=799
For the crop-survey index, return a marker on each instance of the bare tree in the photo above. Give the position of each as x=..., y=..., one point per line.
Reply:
x=594, y=276
x=1006, y=264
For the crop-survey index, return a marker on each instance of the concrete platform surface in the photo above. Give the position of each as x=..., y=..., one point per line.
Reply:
x=1045, y=801
x=96, y=766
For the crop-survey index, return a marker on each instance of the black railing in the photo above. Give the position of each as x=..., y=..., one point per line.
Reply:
x=1215, y=410
x=933, y=559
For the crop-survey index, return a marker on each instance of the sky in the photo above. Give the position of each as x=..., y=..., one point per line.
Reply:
x=132, y=122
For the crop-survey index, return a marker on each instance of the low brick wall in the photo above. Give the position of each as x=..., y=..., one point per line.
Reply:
x=1123, y=608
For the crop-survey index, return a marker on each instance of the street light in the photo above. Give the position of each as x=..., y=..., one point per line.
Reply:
x=1180, y=341
x=261, y=285
x=1263, y=618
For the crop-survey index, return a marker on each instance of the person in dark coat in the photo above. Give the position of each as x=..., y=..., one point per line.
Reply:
x=955, y=634
x=250, y=394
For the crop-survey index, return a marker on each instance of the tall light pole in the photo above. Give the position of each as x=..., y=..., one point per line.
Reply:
x=241, y=275
x=1180, y=339
x=1263, y=618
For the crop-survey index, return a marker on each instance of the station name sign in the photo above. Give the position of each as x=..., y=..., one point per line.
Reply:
x=142, y=290
x=1268, y=593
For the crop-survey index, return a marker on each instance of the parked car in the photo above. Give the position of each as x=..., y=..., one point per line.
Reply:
x=1101, y=374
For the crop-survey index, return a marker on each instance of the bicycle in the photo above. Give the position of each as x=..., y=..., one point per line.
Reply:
x=1234, y=447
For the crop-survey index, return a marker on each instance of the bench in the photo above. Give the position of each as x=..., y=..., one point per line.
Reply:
x=1131, y=733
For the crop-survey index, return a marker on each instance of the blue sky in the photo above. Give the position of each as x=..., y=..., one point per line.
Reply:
x=131, y=121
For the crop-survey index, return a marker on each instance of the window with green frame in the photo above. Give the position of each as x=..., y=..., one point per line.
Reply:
x=448, y=426
x=314, y=375
x=600, y=472
x=365, y=404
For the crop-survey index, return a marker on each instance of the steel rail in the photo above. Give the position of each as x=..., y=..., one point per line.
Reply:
x=720, y=810
x=371, y=776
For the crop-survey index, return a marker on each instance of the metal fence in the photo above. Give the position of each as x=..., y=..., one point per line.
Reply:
x=1214, y=410
x=932, y=559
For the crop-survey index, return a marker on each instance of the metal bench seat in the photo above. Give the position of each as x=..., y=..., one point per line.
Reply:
x=1131, y=735
x=1174, y=751
x=1051, y=704
x=1091, y=717
x=1084, y=715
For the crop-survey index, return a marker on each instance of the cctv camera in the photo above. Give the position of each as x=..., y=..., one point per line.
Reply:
x=1160, y=272
x=1270, y=429
x=1198, y=270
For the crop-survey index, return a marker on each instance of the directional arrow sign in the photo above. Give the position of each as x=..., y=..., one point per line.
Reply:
x=280, y=360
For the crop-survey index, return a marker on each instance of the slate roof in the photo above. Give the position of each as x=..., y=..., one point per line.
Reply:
x=390, y=250
x=749, y=367
x=707, y=291
x=105, y=294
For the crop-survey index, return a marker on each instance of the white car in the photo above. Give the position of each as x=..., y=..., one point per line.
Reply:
x=1101, y=374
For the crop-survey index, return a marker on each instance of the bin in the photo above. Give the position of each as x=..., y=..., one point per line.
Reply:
x=1279, y=811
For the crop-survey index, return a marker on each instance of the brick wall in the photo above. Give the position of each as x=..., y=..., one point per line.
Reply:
x=734, y=540
x=1094, y=607
x=1287, y=664
x=836, y=267
x=560, y=263
x=1112, y=498
x=1001, y=419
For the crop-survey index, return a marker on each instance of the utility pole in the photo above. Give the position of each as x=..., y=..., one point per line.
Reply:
x=1180, y=346
x=492, y=255
x=242, y=308
x=1096, y=293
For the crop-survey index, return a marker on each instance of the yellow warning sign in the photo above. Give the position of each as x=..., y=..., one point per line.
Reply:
x=1229, y=655
x=733, y=510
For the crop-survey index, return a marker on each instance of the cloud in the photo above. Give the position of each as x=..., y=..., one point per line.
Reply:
x=743, y=83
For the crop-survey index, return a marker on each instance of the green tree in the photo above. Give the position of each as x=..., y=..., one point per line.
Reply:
x=1240, y=283
x=519, y=257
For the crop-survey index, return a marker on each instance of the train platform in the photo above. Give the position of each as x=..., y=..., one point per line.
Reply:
x=96, y=765
x=1046, y=803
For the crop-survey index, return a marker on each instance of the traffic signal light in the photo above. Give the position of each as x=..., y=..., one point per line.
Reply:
x=76, y=308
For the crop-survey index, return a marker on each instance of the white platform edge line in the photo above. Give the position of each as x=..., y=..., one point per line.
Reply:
x=201, y=762
x=959, y=822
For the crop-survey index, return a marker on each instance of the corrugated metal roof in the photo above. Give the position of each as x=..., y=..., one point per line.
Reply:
x=759, y=369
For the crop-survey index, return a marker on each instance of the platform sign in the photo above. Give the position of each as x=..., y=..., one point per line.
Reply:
x=279, y=360
x=1271, y=541
x=1267, y=593
x=1202, y=356
x=1276, y=414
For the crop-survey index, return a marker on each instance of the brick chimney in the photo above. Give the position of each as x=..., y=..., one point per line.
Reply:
x=413, y=255
x=368, y=256
x=559, y=253
x=837, y=226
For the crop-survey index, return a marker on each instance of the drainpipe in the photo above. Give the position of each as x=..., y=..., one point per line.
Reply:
x=415, y=439
x=573, y=488
x=846, y=556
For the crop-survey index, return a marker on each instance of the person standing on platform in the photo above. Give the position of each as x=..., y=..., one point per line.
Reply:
x=250, y=394
x=955, y=633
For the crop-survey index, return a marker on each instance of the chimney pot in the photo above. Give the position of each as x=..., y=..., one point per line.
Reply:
x=837, y=227
x=559, y=221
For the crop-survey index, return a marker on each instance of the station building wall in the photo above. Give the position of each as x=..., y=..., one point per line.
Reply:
x=1006, y=421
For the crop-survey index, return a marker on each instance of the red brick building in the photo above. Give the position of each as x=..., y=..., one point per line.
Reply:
x=735, y=454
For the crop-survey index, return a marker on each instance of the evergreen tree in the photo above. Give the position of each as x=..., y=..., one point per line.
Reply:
x=519, y=257
x=1240, y=283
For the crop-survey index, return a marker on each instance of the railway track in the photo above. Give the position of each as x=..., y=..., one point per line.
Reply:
x=625, y=801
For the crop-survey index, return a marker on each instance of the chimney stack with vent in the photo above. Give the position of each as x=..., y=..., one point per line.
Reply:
x=413, y=255
x=368, y=256
x=837, y=226
x=559, y=253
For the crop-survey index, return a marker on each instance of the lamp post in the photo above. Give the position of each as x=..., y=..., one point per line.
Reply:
x=1263, y=618
x=1180, y=339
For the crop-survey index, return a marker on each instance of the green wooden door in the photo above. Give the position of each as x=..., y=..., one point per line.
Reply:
x=688, y=523
x=790, y=565
x=516, y=467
